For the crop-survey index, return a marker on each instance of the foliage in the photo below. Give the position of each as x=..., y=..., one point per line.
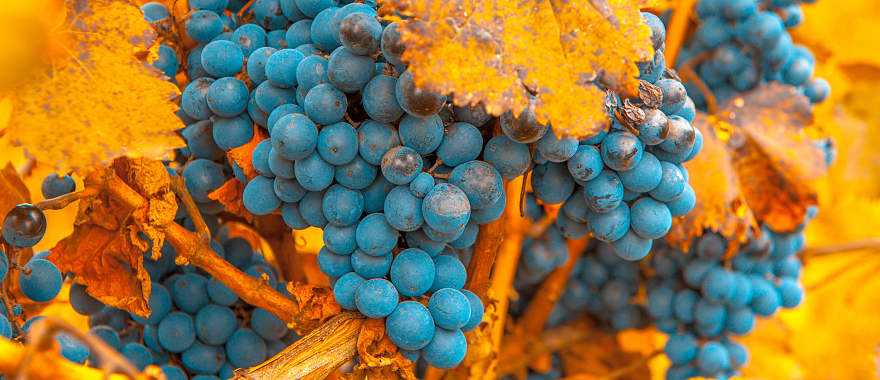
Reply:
x=93, y=97
x=498, y=52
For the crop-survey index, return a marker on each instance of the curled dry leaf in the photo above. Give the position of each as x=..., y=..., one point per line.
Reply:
x=229, y=195
x=379, y=357
x=109, y=239
x=13, y=191
x=243, y=155
x=600, y=356
x=316, y=305
x=500, y=52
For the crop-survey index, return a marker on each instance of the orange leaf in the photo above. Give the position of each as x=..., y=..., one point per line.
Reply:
x=601, y=355
x=229, y=195
x=776, y=162
x=379, y=357
x=106, y=249
x=316, y=301
x=497, y=52
x=98, y=99
x=243, y=155
x=13, y=191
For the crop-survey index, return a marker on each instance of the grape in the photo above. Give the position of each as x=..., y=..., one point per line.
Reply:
x=138, y=355
x=279, y=112
x=348, y=71
x=510, y=158
x=229, y=133
x=416, y=101
x=357, y=174
x=650, y=219
x=555, y=149
x=410, y=326
x=256, y=64
x=817, y=90
x=449, y=273
x=313, y=173
x=340, y=239
x=155, y=12
x=375, y=139
x=220, y=294
x=55, y=186
x=190, y=292
x=475, y=115
x=632, y=247
x=645, y=176
x=5, y=327
x=403, y=210
x=424, y=135
x=292, y=217
x=214, y=324
x=449, y=308
x=370, y=266
x=222, y=58
x=446, y=208
x=324, y=30
x=791, y=294
x=255, y=112
x=524, y=128
x=108, y=335
x=325, y=104
x=310, y=209
x=468, y=237
x=173, y=372
x=683, y=203
x=227, y=97
x=245, y=348
x=81, y=301
x=421, y=185
x=681, y=348
x=480, y=181
x=401, y=164
x=279, y=167
x=412, y=272
x=259, y=196
x=672, y=183
x=267, y=97
x=200, y=141
x=194, y=101
x=307, y=50
x=40, y=280
x=376, y=298
x=446, y=349
x=295, y=136
x=338, y=143
x=267, y=325
x=391, y=44
x=159, y=303
x=203, y=359
x=311, y=71
x=418, y=239
x=379, y=100
x=552, y=183
x=476, y=314
x=360, y=33
x=332, y=264
x=249, y=38
x=176, y=332
x=281, y=67
x=345, y=288
x=203, y=26
x=342, y=206
x=375, y=236
x=712, y=358
x=267, y=13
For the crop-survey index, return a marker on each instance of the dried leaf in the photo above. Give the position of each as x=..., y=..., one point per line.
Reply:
x=776, y=162
x=379, y=356
x=316, y=301
x=602, y=355
x=243, y=155
x=12, y=190
x=229, y=195
x=497, y=52
x=720, y=204
x=97, y=99
x=106, y=249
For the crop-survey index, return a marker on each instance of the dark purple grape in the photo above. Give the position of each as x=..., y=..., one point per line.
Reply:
x=24, y=226
x=523, y=128
x=680, y=137
x=416, y=101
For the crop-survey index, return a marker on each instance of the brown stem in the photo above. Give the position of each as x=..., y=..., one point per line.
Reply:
x=621, y=372
x=688, y=74
x=842, y=270
x=538, y=229
x=65, y=200
x=536, y=314
x=281, y=239
x=485, y=249
x=869, y=243
x=676, y=31
x=317, y=354
x=245, y=8
x=40, y=338
x=52, y=366
x=195, y=214
x=515, y=357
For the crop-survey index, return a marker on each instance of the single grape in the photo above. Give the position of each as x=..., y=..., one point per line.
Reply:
x=446, y=349
x=449, y=273
x=338, y=143
x=403, y=210
x=55, y=186
x=379, y=100
x=313, y=173
x=376, y=298
x=375, y=236
x=345, y=288
x=417, y=101
x=370, y=266
x=446, y=208
x=203, y=26
x=410, y=326
x=423, y=134
x=412, y=272
x=245, y=348
x=401, y=164
x=360, y=33
x=333, y=265
x=176, y=332
x=222, y=58
x=259, y=196
x=40, y=280
x=281, y=67
x=450, y=308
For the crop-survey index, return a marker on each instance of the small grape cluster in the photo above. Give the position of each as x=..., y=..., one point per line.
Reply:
x=701, y=299
x=197, y=327
x=742, y=43
x=623, y=185
x=389, y=171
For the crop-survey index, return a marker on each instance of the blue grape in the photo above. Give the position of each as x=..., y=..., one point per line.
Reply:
x=552, y=182
x=356, y=175
x=418, y=239
x=480, y=181
x=462, y=142
x=311, y=71
x=712, y=358
x=267, y=325
x=200, y=141
x=468, y=237
x=203, y=26
x=281, y=67
x=299, y=33
x=267, y=97
x=267, y=13
x=338, y=143
x=259, y=196
x=672, y=183
x=345, y=288
x=279, y=166
x=203, y=359
x=81, y=301
x=410, y=326
x=476, y=306
x=137, y=354
x=229, y=133
x=310, y=209
x=446, y=349
x=379, y=100
x=632, y=247
x=159, y=303
x=375, y=139
x=650, y=219
x=193, y=100
x=325, y=104
x=370, y=266
x=348, y=71
x=449, y=273
x=332, y=264
x=313, y=173
x=222, y=58
x=55, y=186
x=450, y=308
x=249, y=38
x=214, y=324
x=424, y=135
x=220, y=294
x=403, y=210
x=227, y=97
x=108, y=335
x=245, y=348
x=421, y=185
x=416, y=101
x=173, y=372
x=324, y=30
x=360, y=33
x=40, y=280
x=376, y=298
x=295, y=136
x=446, y=208
x=260, y=158
x=683, y=203
x=509, y=157
x=176, y=332
x=555, y=149
x=645, y=176
x=256, y=64
x=155, y=11
x=412, y=272
x=622, y=150
x=342, y=206
x=401, y=164
x=190, y=292
x=375, y=236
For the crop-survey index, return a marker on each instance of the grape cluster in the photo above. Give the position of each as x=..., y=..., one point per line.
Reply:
x=740, y=44
x=623, y=185
x=701, y=300
x=197, y=327
x=389, y=171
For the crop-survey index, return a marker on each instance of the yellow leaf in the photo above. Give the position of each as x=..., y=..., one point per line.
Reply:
x=99, y=99
x=497, y=52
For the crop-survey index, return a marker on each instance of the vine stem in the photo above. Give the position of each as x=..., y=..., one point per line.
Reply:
x=65, y=200
x=489, y=238
x=621, y=372
x=869, y=243
x=536, y=314
x=688, y=74
x=52, y=366
x=179, y=188
x=677, y=28
x=513, y=359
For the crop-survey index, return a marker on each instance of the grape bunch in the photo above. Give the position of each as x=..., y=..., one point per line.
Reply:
x=624, y=185
x=702, y=299
x=197, y=328
x=740, y=44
